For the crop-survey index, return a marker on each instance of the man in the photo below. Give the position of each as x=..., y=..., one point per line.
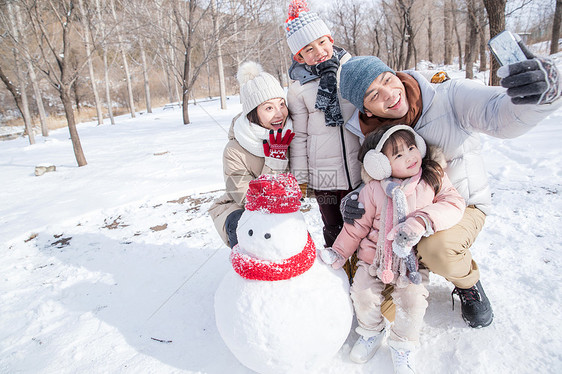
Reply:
x=450, y=115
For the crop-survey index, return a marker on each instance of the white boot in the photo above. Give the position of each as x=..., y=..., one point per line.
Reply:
x=403, y=356
x=365, y=347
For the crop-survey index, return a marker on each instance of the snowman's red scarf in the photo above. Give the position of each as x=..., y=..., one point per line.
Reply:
x=252, y=268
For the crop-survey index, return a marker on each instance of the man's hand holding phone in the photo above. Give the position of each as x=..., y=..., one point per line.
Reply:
x=535, y=80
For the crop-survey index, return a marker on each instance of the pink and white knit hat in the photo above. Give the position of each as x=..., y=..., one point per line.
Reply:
x=303, y=26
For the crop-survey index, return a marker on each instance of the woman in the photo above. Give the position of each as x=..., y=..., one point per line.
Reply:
x=259, y=139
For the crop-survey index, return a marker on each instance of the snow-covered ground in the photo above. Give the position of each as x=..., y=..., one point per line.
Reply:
x=112, y=267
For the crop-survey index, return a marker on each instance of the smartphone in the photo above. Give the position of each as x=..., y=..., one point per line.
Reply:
x=505, y=48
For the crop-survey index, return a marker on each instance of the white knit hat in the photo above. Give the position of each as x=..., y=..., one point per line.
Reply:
x=303, y=26
x=256, y=86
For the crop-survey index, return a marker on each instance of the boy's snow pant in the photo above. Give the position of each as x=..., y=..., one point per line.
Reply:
x=410, y=301
x=447, y=252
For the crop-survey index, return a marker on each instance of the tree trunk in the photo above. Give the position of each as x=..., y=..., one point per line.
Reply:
x=19, y=101
x=144, y=71
x=471, y=41
x=448, y=48
x=496, y=18
x=105, y=65
x=208, y=70
x=33, y=78
x=220, y=67
x=408, y=31
x=76, y=96
x=23, y=103
x=482, y=36
x=38, y=99
x=482, y=48
x=145, y=76
x=185, y=86
x=69, y=112
x=222, y=83
x=456, y=29
x=87, y=41
x=556, y=28
x=125, y=64
x=429, y=37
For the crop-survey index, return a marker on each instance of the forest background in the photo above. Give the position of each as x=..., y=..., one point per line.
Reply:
x=67, y=61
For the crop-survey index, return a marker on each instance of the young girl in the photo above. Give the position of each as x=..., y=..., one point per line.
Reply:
x=259, y=138
x=407, y=196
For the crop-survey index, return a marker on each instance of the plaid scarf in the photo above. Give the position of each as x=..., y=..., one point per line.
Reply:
x=327, y=95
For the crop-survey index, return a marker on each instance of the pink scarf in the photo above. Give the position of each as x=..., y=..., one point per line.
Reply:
x=395, y=209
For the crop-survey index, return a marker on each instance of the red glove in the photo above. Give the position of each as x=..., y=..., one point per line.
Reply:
x=277, y=146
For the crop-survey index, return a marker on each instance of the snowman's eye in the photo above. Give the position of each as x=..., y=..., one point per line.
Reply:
x=251, y=232
x=267, y=236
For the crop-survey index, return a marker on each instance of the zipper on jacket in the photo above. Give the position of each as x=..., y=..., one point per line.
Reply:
x=346, y=168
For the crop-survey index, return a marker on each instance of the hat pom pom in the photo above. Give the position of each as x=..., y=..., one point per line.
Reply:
x=248, y=71
x=296, y=7
x=402, y=281
x=373, y=272
x=387, y=276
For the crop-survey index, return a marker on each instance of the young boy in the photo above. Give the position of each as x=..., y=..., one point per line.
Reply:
x=323, y=153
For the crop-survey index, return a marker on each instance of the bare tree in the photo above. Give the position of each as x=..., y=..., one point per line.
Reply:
x=220, y=67
x=57, y=54
x=19, y=102
x=471, y=38
x=408, y=30
x=348, y=21
x=447, y=32
x=556, y=28
x=454, y=12
x=137, y=11
x=103, y=47
x=482, y=35
x=88, y=42
x=130, y=97
x=496, y=18
x=188, y=17
x=31, y=71
x=20, y=92
x=429, y=37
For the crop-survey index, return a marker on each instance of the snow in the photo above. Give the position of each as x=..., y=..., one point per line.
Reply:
x=113, y=267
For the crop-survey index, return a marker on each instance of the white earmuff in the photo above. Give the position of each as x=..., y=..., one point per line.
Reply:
x=420, y=143
x=377, y=165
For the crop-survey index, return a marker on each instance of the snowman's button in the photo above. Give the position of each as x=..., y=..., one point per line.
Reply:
x=267, y=235
x=251, y=232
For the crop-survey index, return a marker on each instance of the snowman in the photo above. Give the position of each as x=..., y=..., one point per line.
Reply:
x=280, y=309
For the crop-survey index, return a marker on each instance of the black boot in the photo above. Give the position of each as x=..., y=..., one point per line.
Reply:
x=475, y=307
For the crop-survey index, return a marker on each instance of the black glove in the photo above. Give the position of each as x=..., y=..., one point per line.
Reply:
x=350, y=208
x=533, y=81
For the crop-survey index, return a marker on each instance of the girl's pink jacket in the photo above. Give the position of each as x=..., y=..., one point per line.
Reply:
x=443, y=210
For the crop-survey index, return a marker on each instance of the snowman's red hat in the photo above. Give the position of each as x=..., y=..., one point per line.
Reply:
x=274, y=194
